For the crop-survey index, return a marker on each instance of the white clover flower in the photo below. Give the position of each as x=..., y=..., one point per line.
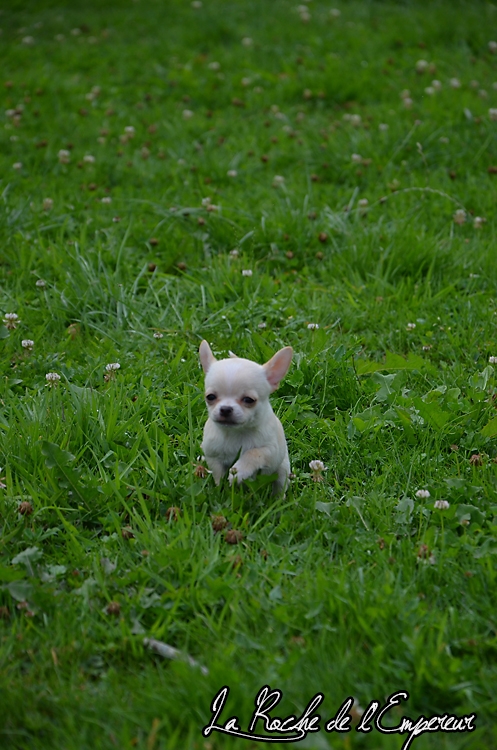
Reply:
x=483, y=94
x=247, y=41
x=312, y=326
x=28, y=41
x=89, y=159
x=76, y=32
x=129, y=130
x=363, y=203
x=197, y=4
x=214, y=65
x=355, y=120
x=52, y=378
x=492, y=46
x=27, y=344
x=212, y=207
x=158, y=335
x=17, y=166
x=106, y=199
x=441, y=504
x=410, y=326
x=262, y=324
x=429, y=90
x=278, y=180
x=437, y=85
x=317, y=467
x=11, y=320
x=113, y=366
x=492, y=113
x=187, y=114
x=47, y=204
x=232, y=173
x=405, y=94
x=41, y=283
x=64, y=156
x=246, y=81
x=478, y=222
x=235, y=253
x=335, y=13
x=408, y=102
x=206, y=201
x=247, y=272
x=455, y=83
x=492, y=360
x=421, y=66
x=460, y=216
x=383, y=127
x=423, y=494
x=356, y=158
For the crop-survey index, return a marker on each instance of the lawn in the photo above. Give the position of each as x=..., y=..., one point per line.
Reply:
x=259, y=174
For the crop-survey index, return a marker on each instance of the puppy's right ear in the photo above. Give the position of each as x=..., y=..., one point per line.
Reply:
x=206, y=356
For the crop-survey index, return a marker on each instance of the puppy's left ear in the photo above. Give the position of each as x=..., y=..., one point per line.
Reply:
x=206, y=356
x=277, y=367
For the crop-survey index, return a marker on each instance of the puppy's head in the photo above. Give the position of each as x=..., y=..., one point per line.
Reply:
x=237, y=390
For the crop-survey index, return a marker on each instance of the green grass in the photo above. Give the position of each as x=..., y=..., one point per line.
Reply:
x=350, y=586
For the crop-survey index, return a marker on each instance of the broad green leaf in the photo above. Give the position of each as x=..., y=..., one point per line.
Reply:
x=404, y=509
x=470, y=511
x=10, y=574
x=393, y=362
x=386, y=385
x=295, y=378
x=324, y=507
x=19, y=590
x=13, y=381
x=27, y=556
x=432, y=413
x=480, y=380
x=3, y=332
x=56, y=458
x=490, y=429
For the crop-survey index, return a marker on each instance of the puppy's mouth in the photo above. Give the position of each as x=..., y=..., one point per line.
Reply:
x=228, y=421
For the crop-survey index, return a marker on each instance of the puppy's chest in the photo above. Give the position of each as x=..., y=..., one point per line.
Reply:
x=227, y=443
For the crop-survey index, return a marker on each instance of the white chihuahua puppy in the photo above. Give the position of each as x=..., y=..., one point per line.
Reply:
x=241, y=421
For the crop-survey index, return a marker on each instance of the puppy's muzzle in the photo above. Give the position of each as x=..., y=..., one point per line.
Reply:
x=225, y=415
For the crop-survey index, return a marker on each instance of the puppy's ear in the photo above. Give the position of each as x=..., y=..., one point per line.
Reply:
x=277, y=367
x=206, y=356
x=232, y=355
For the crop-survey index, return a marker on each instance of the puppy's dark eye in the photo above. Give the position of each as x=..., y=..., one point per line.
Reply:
x=211, y=397
x=249, y=401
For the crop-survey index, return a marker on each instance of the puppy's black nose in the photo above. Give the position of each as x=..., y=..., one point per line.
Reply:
x=226, y=411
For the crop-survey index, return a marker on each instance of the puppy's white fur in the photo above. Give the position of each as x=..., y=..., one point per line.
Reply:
x=241, y=421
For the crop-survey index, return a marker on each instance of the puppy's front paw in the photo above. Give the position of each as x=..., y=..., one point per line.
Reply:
x=238, y=474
